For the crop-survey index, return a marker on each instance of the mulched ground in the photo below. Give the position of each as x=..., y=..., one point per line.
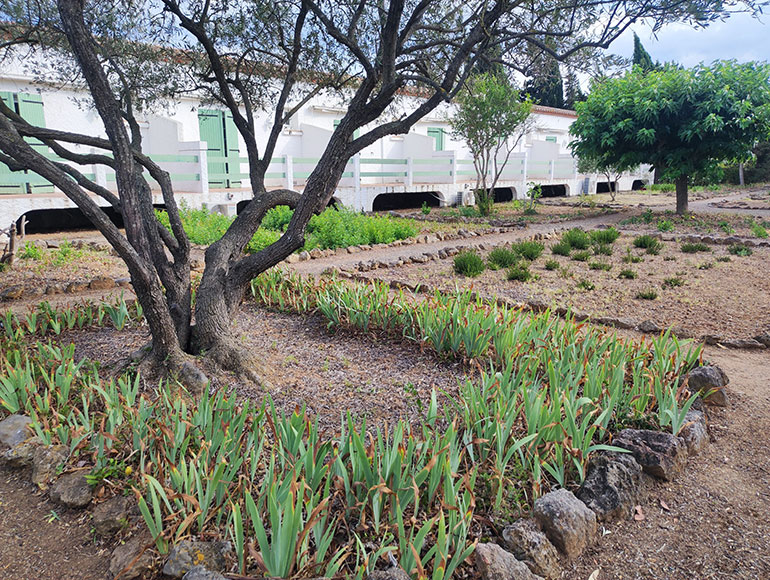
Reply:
x=729, y=299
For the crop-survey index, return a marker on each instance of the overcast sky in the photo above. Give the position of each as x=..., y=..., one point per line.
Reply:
x=741, y=37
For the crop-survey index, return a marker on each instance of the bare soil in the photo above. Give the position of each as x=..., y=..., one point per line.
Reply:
x=729, y=299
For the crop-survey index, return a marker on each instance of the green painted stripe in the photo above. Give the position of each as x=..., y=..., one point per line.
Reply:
x=437, y=161
x=383, y=161
x=306, y=160
x=275, y=175
x=175, y=158
x=383, y=174
x=465, y=161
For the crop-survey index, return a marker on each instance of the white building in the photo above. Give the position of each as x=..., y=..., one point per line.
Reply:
x=205, y=156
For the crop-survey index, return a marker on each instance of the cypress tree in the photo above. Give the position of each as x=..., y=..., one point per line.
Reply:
x=641, y=57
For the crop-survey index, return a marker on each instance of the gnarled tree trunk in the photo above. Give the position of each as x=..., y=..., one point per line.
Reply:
x=681, y=195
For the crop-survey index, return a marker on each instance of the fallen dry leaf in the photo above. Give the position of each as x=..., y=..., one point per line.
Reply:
x=594, y=575
x=638, y=513
x=664, y=505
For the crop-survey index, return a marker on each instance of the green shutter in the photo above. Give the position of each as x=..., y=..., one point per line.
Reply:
x=438, y=136
x=31, y=110
x=210, y=123
x=233, y=152
x=6, y=185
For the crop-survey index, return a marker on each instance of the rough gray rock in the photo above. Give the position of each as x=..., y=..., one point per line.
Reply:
x=494, y=563
x=763, y=338
x=202, y=573
x=660, y=454
x=130, y=560
x=710, y=382
x=695, y=432
x=566, y=520
x=649, y=327
x=111, y=516
x=20, y=455
x=190, y=553
x=612, y=486
x=393, y=573
x=46, y=461
x=13, y=430
x=72, y=490
x=529, y=544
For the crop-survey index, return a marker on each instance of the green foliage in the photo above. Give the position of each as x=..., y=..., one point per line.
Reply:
x=606, y=236
x=468, y=263
x=581, y=256
x=627, y=274
x=724, y=259
x=201, y=226
x=649, y=294
x=518, y=272
x=425, y=209
x=577, y=239
x=277, y=218
x=551, y=265
x=641, y=57
x=673, y=282
x=740, y=250
x=726, y=227
x=603, y=266
x=545, y=87
x=529, y=250
x=758, y=230
x=534, y=192
x=665, y=226
x=502, y=258
x=602, y=249
x=629, y=258
x=649, y=243
x=662, y=188
x=693, y=247
x=561, y=249
x=261, y=239
x=684, y=120
x=586, y=285
x=30, y=252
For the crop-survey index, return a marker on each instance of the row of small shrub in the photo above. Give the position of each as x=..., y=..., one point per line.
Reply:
x=333, y=228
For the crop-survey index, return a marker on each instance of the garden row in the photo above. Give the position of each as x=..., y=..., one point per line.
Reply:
x=308, y=503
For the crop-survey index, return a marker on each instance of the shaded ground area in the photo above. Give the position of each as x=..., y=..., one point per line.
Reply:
x=716, y=525
x=42, y=541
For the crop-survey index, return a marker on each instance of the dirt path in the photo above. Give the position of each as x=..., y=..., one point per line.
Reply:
x=42, y=541
x=717, y=524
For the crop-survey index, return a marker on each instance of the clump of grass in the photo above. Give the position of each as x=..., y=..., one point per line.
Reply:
x=577, y=239
x=693, y=248
x=631, y=258
x=551, y=265
x=518, y=272
x=608, y=236
x=603, y=266
x=602, y=249
x=758, y=230
x=502, y=258
x=724, y=259
x=586, y=285
x=529, y=250
x=649, y=243
x=669, y=259
x=31, y=252
x=627, y=274
x=468, y=263
x=647, y=294
x=726, y=227
x=673, y=282
x=561, y=249
x=740, y=250
x=581, y=256
x=665, y=226
x=565, y=272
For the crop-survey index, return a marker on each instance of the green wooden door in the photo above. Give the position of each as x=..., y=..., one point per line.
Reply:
x=438, y=136
x=30, y=107
x=218, y=131
x=9, y=180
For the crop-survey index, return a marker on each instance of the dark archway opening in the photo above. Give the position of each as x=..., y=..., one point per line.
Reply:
x=389, y=201
x=554, y=191
x=606, y=186
x=638, y=185
x=42, y=221
x=241, y=205
x=503, y=194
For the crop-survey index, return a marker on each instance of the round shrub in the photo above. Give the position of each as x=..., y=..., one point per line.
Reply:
x=577, y=239
x=502, y=258
x=529, y=250
x=468, y=263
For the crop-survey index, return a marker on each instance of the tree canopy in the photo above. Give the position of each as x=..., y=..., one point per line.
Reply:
x=684, y=120
x=546, y=87
x=641, y=57
x=491, y=118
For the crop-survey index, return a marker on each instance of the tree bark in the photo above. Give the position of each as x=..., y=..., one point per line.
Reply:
x=681, y=195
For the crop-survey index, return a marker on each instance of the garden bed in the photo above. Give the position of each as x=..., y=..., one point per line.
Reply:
x=755, y=227
x=708, y=293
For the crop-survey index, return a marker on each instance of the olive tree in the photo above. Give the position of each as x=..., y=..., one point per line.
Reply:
x=257, y=59
x=683, y=120
x=491, y=117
